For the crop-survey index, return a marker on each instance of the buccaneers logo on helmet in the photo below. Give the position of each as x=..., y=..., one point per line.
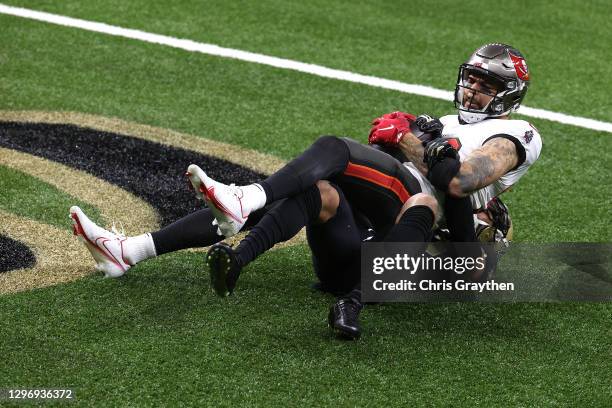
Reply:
x=520, y=66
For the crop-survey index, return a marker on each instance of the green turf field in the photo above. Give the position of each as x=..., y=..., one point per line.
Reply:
x=159, y=336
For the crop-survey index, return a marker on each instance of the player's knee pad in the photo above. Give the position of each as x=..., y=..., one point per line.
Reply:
x=329, y=142
x=332, y=147
x=325, y=158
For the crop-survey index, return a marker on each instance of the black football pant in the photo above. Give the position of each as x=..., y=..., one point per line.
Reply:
x=195, y=231
x=374, y=183
x=336, y=247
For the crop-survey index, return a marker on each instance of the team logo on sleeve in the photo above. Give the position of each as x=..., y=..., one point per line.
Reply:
x=454, y=142
x=528, y=136
x=520, y=66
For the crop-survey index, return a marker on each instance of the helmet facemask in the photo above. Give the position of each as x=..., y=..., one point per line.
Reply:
x=489, y=84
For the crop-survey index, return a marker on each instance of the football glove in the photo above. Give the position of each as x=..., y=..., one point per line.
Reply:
x=427, y=128
x=390, y=128
x=500, y=227
x=437, y=150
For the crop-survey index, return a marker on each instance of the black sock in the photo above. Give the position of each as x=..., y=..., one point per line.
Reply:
x=336, y=248
x=460, y=219
x=194, y=230
x=414, y=226
x=326, y=157
x=280, y=224
x=460, y=222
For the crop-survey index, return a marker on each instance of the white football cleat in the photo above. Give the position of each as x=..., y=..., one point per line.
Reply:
x=224, y=201
x=106, y=247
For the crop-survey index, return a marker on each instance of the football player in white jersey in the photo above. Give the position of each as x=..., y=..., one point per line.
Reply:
x=494, y=151
x=480, y=152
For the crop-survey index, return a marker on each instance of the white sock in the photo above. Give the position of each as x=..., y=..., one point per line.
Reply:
x=253, y=197
x=136, y=249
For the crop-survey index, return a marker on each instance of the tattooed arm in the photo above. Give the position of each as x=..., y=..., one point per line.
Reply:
x=413, y=149
x=484, y=166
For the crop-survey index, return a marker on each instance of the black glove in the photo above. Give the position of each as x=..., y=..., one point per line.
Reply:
x=443, y=163
x=500, y=215
x=426, y=128
x=437, y=150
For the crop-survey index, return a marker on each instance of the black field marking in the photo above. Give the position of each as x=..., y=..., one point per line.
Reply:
x=14, y=255
x=149, y=170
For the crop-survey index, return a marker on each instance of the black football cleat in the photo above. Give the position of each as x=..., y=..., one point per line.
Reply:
x=343, y=318
x=223, y=267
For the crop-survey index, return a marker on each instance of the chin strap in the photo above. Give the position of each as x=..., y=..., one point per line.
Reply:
x=475, y=117
x=471, y=117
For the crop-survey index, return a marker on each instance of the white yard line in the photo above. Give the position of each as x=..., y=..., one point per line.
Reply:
x=211, y=49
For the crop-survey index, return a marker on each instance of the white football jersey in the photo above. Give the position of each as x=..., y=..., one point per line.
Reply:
x=471, y=136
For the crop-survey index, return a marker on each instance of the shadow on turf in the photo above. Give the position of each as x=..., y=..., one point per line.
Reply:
x=459, y=318
x=272, y=302
x=392, y=321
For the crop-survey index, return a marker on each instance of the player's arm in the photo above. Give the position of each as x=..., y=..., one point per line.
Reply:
x=481, y=168
x=413, y=149
x=395, y=130
x=484, y=166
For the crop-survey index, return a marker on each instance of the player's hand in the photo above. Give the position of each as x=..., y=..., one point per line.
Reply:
x=429, y=125
x=394, y=115
x=437, y=150
x=390, y=128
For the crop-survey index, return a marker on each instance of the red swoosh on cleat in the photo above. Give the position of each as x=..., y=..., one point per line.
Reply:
x=110, y=254
x=80, y=231
x=210, y=195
